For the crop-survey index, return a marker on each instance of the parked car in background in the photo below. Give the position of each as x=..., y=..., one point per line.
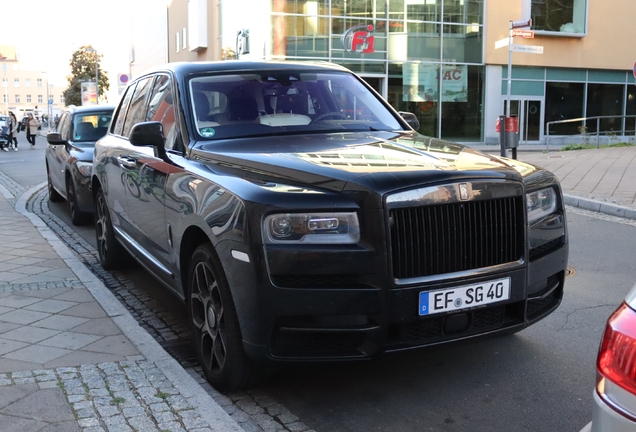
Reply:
x=614, y=406
x=69, y=157
x=3, y=130
x=302, y=219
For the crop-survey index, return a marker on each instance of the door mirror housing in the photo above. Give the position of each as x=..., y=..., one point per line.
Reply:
x=147, y=134
x=411, y=119
x=54, y=138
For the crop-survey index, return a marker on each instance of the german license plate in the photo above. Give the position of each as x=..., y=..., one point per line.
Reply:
x=469, y=296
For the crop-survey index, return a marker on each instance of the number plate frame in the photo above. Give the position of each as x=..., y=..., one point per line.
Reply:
x=464, y=297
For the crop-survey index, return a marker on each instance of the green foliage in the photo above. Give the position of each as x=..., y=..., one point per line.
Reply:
x=590, y=146
x=83, y=69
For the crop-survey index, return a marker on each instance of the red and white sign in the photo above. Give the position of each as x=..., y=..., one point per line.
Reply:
x=528, y=34
x=523, y=23
x=634, y=69
x=359, y=39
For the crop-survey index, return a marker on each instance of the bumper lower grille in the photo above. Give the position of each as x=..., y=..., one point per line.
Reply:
x=432, y=240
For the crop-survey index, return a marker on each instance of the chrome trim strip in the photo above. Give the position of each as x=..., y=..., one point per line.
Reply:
x=451, y=193
x=462, y=274
x=142, y=251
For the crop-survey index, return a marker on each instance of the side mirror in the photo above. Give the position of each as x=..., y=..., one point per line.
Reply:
x=411, y=119
x=149, y=134
x=54, y=138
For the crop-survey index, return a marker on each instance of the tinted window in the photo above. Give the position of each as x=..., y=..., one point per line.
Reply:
x=137, y=108
x=269, y=103
x=118, y=124
x=90, y=127
x=161, y=109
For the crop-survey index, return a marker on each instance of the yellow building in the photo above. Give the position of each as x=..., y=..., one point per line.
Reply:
x=438, y=58
x=24, y=90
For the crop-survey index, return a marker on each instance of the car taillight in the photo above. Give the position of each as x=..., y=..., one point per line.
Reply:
x=616, y=365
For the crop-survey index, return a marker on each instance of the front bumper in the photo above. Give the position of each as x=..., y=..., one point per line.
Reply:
x=362, y=318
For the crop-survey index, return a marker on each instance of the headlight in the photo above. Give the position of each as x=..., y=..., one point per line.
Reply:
x=541, y=203
x=85, y=168
x=311, y=228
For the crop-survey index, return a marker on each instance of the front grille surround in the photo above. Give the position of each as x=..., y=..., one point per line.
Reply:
x=434, y=232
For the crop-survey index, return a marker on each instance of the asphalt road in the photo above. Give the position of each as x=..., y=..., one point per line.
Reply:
x=540, y=379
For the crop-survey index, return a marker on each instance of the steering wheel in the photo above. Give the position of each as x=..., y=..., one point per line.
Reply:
x=334, y=114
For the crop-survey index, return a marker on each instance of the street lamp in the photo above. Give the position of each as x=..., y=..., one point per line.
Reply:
x=93, y=50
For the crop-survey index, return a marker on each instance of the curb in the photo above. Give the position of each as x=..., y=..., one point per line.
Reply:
x=208, y=408
x=600, y=206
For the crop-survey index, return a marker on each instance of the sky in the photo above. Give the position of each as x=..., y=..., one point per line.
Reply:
x=47, y=32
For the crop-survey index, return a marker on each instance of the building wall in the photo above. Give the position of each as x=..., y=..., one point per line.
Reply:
x=11, y=72
x=149, y=36
x=608, y=43
x=182, y=20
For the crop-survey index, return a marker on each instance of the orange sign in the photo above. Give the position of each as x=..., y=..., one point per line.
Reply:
x=528, y=34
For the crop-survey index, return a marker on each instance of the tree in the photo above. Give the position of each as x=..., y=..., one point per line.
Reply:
x=83, y=69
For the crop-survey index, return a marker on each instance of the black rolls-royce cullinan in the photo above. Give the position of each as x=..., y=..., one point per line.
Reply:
x=302, y=219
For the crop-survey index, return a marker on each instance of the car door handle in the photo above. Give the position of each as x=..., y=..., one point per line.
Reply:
x=127, y=162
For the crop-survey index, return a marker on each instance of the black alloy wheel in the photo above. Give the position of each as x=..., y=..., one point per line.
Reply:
x=110, y=251
x=77, y=217
x=215, y=326
x=54, y=196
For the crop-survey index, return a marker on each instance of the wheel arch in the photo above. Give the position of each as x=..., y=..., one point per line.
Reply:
x=192, y=238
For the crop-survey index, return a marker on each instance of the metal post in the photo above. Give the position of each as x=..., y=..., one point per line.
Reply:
x=502, y=135
x=96, y=78
x=509, y=68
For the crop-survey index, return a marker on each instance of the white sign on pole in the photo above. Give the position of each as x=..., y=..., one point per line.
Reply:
x=527, y=49
x=502, y=43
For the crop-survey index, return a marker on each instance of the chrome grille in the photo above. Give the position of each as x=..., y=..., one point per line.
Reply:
x=437, y=239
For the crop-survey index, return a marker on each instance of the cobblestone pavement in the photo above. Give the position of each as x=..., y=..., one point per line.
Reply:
x=253, y=410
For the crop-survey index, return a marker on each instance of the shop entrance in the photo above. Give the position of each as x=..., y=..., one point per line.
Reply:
x=530, y=113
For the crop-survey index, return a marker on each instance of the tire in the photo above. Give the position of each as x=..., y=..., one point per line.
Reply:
x=110, y=251
x=77, y=217
x=215, y=326
x=54, y=196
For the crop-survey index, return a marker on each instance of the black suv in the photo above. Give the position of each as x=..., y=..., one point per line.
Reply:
x=69, y=157
x=301, y=218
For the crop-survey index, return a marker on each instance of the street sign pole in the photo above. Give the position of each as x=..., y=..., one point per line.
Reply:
x=507, y=112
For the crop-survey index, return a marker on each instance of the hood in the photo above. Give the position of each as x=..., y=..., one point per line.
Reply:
x=377, y=161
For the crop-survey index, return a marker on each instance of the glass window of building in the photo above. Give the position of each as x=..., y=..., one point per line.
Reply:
x=17, y=98
x=462, y=43
x=302, y=7
x=359, y=8
x=563, y=16
x=28, y=98
x=16, y=82
x=462, y=102
x=62, y=99
x=564, y=101
x=39, y=82
x=40, y=99
x=414, y=87
x=27, y=82
x=605, y=100
x=630, y=110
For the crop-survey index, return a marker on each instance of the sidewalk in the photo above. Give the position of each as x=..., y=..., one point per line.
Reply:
x=71, y=356
x=601, y=180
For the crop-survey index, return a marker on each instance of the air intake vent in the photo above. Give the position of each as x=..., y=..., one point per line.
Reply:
x=432, y=240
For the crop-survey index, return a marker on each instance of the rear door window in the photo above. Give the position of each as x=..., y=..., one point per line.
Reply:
x=118, y=124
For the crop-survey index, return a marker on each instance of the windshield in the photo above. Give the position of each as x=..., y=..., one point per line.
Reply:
x=272, y=103
x=90, y=126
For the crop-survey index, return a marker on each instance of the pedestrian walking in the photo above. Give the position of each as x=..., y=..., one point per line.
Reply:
x=32, y=126
x=12, y=131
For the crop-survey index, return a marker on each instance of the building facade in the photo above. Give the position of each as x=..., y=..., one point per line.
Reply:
x=438, y=58
x=24, y=90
